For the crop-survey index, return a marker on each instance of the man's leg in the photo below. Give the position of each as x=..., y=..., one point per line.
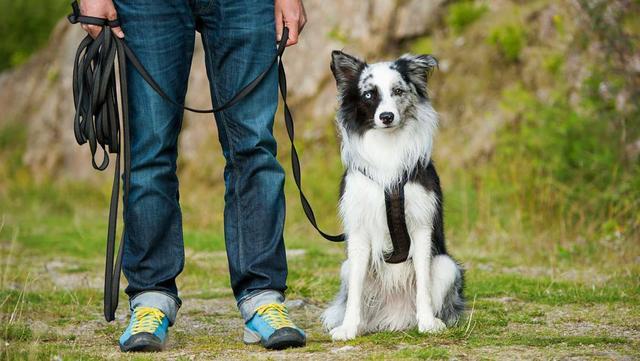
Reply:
x=161, y=33
x=240, y=41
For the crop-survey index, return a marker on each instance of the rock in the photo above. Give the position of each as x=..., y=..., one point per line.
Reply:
x=293, y=304
x=296, y=252
x=38, y=94
x=343, y=349
x=415, y=18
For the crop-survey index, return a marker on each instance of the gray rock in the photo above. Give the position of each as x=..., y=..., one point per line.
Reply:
x=38, y=94
x=293, y=304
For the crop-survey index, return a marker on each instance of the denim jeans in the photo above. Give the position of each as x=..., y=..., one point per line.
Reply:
x=239, y=41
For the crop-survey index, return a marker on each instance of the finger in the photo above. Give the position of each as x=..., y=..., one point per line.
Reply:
x=279, y=25
x=303, y=19
x=118, y=31
x=113, y=15
x=293, y=33
x=94, y=30
x=303, y=22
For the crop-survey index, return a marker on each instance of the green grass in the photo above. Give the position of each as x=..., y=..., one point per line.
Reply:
x=540, y=315
x=429, y=353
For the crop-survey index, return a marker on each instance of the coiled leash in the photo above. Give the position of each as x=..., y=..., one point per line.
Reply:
x=97, y=122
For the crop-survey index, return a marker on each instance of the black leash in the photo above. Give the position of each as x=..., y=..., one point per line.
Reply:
x=97, y=122
x=394, y=204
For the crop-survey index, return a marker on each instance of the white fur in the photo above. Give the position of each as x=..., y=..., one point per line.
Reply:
x=376, y=295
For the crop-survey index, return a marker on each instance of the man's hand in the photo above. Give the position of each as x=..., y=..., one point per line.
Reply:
x=290, y=13
x=99, y=9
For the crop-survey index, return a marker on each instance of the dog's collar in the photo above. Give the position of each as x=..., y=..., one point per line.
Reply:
x=406, y=176
x=396, y=220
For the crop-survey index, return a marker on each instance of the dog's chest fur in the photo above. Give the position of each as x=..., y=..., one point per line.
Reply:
x=363, y=211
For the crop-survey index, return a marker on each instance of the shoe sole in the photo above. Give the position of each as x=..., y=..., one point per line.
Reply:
x=143, y=342
x=283, y=344
x=284, y=340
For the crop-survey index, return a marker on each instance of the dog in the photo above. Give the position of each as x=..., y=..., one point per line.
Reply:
x=387, y=125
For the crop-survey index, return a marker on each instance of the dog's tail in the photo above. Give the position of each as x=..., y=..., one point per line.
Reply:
x=448, y=289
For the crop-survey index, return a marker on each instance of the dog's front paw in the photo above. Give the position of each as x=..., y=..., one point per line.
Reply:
x=344, y=332
x=431, y=325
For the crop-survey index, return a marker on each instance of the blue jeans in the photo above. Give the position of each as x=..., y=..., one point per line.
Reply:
x=239, y=41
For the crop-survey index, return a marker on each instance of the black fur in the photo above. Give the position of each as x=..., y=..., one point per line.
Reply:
x=428, y=178
x=454, y=302
x=416, y=70
x=347, y=71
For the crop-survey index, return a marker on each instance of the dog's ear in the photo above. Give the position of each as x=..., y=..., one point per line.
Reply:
x=417, y=69
x=345, y=68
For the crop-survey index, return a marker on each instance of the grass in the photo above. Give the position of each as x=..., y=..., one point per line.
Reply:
x=50, y=298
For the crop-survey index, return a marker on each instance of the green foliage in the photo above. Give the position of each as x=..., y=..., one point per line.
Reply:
x=509, y=40
x=13, y=139
x=422, y=45
x=462, y=14
x=17, y=332
x=568, y=160
x=25, y=26
x=338, y=34
x=553, y=63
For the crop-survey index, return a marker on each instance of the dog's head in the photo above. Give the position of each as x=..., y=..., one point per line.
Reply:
x=381, y=95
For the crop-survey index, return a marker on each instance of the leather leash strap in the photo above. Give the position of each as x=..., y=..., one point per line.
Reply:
x=97, y=122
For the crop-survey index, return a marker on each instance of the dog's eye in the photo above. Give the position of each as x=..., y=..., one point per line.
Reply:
x=368, y=95
x=398, y=91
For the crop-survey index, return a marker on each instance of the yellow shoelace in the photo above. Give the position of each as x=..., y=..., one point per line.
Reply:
x=147, y=319
x=276, y=315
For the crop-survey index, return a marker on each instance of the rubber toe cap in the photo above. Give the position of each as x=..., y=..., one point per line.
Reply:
x=285, y=337
x=142, y=342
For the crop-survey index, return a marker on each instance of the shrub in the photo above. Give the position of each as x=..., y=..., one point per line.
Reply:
x=567, y=160
x=464, y=13
x=509, y=41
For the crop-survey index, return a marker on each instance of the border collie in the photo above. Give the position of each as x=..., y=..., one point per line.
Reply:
x=387, y=125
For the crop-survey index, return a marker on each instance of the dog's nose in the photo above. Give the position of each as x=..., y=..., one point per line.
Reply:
x=386, y=117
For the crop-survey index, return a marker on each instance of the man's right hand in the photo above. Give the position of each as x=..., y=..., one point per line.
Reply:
x=99, y=9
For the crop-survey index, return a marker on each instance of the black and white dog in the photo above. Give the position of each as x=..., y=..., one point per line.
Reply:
x=387, y=126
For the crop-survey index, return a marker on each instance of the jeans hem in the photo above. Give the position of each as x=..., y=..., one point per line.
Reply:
x=157, y=299
x=255, y=299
